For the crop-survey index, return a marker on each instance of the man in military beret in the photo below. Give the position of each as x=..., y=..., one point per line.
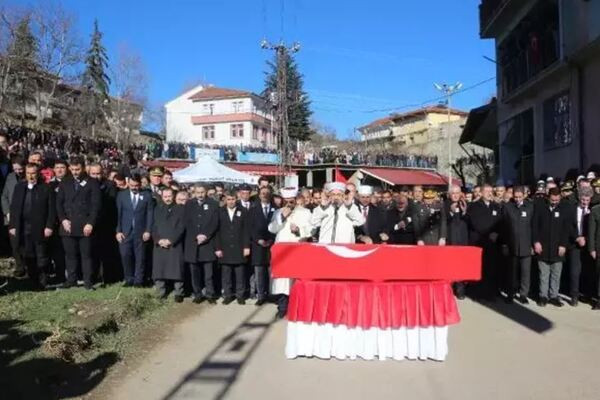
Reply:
x=156, y=186
x=567, y=193
x=431, y=224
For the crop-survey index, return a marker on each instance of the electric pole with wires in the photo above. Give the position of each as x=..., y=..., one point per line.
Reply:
x=280, y=99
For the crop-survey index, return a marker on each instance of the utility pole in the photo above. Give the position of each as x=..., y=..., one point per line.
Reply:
x=281, y=100
x=448, y=91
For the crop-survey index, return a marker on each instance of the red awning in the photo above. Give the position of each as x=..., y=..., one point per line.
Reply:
x=393, y=176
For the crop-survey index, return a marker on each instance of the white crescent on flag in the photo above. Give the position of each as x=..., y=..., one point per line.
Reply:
x=345, y=252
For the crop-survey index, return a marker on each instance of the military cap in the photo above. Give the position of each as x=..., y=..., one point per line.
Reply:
x=567, y=186
x=156, y=171
x=596, y=183
x=430, y=194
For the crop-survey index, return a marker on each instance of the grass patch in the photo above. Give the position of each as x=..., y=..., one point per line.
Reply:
x=60, y=343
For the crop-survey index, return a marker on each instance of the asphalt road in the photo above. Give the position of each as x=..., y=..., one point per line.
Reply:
x=497, y=352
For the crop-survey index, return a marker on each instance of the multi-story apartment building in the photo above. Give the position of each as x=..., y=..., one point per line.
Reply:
x=548, y=79
x=216, y=116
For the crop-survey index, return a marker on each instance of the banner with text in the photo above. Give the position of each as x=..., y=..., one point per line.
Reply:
x=250, y=157
x=215, y=154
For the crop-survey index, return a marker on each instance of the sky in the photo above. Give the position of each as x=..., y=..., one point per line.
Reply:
x=361, y=60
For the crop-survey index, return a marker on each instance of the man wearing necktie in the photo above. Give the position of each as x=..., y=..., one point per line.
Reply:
x=261, y=241
x=134, y=224
x=578, y=256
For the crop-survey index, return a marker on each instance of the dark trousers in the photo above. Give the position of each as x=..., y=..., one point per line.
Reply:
x=161, y=287
x=78, y=247
x=596, y=292
x=36, y=261
x=16, y=251
x=489, y=284
x=132, y=257
x=578, y=260
x=57, y=254
x=261, y=281
x=204, y=270
x=108, y=257
x=282, y=303
x=519, y=276
x=227, y=272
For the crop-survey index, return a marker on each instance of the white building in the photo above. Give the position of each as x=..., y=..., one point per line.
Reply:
x=216, y=116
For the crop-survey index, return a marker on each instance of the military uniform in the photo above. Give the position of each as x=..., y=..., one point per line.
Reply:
x=431, y=224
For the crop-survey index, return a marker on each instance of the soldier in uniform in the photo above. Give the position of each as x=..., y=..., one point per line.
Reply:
x=156, y=185
x=431, y=226
x=567, y=193
x=401, y=226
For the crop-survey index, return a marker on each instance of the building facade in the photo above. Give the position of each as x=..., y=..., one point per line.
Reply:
x=208, y=115
x=548, y=77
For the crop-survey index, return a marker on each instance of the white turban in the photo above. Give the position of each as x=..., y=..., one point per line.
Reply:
x=289, y=193
x=333, y=186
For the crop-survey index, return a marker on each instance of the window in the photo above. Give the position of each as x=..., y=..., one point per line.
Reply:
x=237, y=130
x=557, y=121
x=208, y=109
x=255, y=133
x=238, y=106
x=208, y=132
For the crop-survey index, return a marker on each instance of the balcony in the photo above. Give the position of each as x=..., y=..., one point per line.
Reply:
x=494, y=15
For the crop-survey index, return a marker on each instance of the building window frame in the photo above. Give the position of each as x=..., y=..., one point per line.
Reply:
x=208, y=132
x=236, y=131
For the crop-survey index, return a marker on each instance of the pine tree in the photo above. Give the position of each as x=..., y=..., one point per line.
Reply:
x=96, y=82
x=299, y=112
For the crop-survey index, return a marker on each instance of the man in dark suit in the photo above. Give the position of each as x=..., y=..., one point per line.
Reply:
x=517, y=218
x=400, y=225
x=201, y=224
x=577, y=218
x=244, y=197
x=17, y=175
x=593, y=246
x=550, y=236
x=135, y=210
x=457, y=227
x=484, y=225
x=78, y=203
x=261, y=241
x=374, y=229
x=32, y=219
x=232, y=247
x=106, y=247
x=56, y=248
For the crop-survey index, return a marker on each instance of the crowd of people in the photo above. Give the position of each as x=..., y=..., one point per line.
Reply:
x=354, y=157
x=73, y=223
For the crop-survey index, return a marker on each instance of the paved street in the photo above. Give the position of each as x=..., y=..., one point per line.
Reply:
x=507, y=352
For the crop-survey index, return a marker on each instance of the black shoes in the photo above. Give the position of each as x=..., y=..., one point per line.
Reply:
x=241, y=301
x=178, y=299
x=197, y=300
x=509, y=299
x=522, y=299
x=212, y=300
x=574, y=302
x=68, y=285
x=596, y=305
x=260, y=302
x=542, y=301
x=281, y=314
x=556, y=302
x=227, y=300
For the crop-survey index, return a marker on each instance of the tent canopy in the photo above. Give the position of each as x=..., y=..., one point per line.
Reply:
x=207, y=169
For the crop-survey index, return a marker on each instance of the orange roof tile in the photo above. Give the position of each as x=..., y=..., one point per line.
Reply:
x=213, y=93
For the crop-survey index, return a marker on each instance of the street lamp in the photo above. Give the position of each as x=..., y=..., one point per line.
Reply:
x=448, y=91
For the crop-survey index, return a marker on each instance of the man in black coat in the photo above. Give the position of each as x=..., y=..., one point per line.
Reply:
x=484, y=225
x=261, y=241
x=135, y=212
x=32, y=219
x=232, y=247
x=517, y=218
x=18, y=166
x=106, y=248
x=78, y=204
x=374, y=229
x=56, y=248
x=201, y=224
x=577, y=219
x=167, y=234
x=401, y=223
x=457, y=228
x=550, y=236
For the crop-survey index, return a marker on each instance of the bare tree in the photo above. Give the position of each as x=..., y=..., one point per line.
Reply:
x=130, y=88
x=59, y=56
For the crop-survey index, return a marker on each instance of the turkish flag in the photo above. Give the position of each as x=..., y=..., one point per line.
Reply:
x=375, y=262
x=338, y=176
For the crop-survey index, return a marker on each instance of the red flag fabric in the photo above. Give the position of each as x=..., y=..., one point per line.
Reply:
x=375, y=262
x=339, y=177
